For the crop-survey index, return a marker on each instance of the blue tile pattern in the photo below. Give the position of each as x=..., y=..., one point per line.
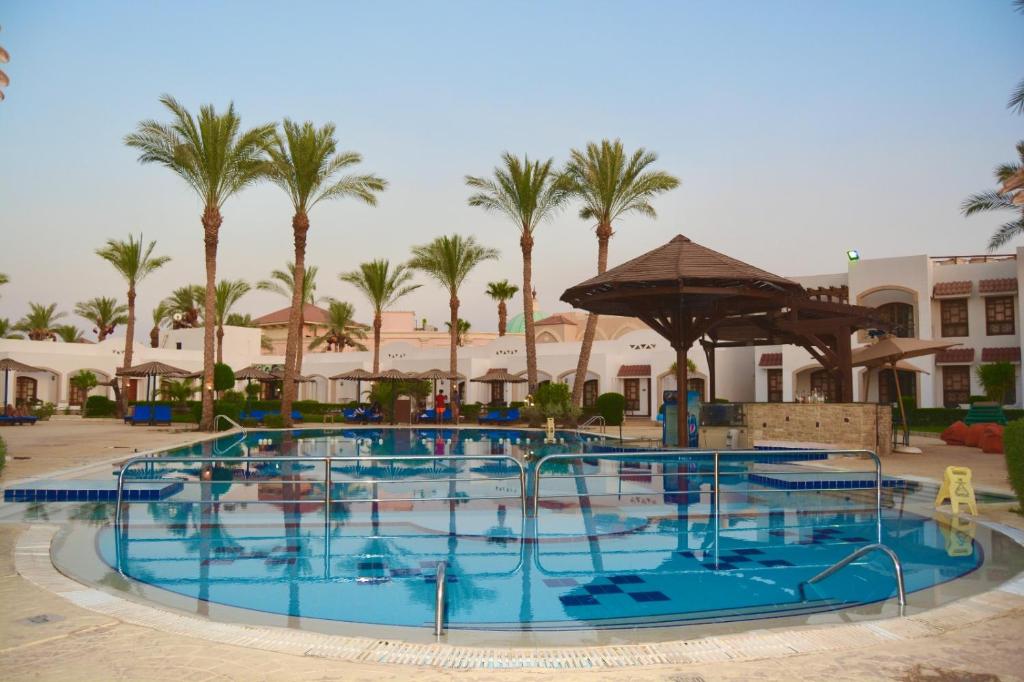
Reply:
x=91, y=491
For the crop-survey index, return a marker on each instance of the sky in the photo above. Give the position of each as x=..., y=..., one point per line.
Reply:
x=798, y=130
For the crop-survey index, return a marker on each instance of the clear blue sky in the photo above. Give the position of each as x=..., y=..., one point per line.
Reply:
x=798, y=129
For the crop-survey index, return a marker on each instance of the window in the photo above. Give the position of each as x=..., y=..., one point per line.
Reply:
x=900, y=316
x=25, y=391
x=631, y=391
x=775, y=385
x=76, y=396
x=590, y=393
x=954, y=317
x=696, y=385
x=999, y=315
x=824, y=383
x=887, y=387
x=956, y=384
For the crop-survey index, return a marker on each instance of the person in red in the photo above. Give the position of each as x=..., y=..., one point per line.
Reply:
x=439, y=404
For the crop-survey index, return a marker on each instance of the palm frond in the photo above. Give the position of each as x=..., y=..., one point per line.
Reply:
x=381, y=284
x=450, y=259
x=1005, y=233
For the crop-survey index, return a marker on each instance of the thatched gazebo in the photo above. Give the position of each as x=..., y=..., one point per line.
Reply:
x=688, y=293
x=152, y=370
x=358, y=375
x=9, y=365
x=498, y=376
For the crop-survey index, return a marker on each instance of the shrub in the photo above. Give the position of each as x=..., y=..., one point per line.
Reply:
x=44, y=411
x=252, y=391
x=977, y=399
x=552, y=400
x=99, y=406
x=233, y=396
x=3, y=454
x=472, y=411
x=273, y=421
x=997, y=378
x=223, y=377
x=612, y=406
x=1013, y=446
x=384, y=391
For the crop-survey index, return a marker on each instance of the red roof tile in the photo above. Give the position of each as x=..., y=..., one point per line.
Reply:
x=952, y=289
x=635, y=371
x=998, y=286
x=771, y=360
x=311, y=314
x=955, y=356
x=1008, y=354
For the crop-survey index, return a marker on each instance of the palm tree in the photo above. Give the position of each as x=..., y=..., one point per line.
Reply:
x=503, y=291
x=161, y=313
x=229, y=292
x=134, y=261
x=449, y=260
x=528, y=192
x=1009, y=197
x=41, y=322
x=69, y=333
x=7, y=330
x=84, y=381
x=305, y=163
x=610, y=184
x=217, y=159
x=283, y=282
x=342, y=329
x=104, y=312
x=382, y=287
x=184, y=305
x=460, y=331
x=239, y=320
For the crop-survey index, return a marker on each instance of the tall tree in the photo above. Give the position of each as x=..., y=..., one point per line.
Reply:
x=460, y=331
x=342, y=329
x=1010, y=197
x=161, y=315
x=283, y=282
x=134, y=261
x=105, y=313
x=184, y=306
x=382, y=286
x=449, y=260
x=503, y=291
x=7, y=330
x=69, y=333
x=527, y=192
x=239, y=320
x=229, y=293
x=217, y=159
x=610, y=184
x=306, y=164
x=40, y=323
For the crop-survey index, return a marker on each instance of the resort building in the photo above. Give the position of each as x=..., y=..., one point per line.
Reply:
x=971, y=300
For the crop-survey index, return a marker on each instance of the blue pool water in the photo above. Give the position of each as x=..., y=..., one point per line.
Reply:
x=618, y=542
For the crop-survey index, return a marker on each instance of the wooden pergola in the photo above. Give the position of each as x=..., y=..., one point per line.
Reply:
x=689, y=293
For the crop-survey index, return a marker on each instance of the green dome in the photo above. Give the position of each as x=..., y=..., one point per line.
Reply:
x=517, y=325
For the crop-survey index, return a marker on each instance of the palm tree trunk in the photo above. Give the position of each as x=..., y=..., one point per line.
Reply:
x=526, y=244
x=129, y=346
x=377, y=323
x=154, y=339
x=300, y=226
x=211, y=228
x=453, y=357
x=220, y=344
x=604, y=233
x=502, y=317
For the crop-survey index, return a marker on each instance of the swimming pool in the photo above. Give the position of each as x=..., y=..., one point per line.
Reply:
x=620, y=543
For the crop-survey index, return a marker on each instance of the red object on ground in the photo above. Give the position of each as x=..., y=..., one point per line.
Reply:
x=955, y=433
x=992, y=439
x=974, y=432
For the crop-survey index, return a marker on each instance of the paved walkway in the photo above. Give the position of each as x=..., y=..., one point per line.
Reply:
x=45, y=637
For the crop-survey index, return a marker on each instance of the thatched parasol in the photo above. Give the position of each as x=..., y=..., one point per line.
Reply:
x=499, y=375
x=358, y=375
x=685, y=292
x=889, y=352
x=254, y=373
x=435, y=375
x=151, y=370
x=394, y=376
x=278, y=375
x=9, y=365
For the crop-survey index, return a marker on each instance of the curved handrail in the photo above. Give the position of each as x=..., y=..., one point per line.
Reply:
x=597, y=418
x=242, y=435
x=901, y=591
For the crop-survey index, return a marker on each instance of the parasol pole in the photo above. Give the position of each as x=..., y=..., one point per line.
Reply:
x=899, y=398
x=7, y=379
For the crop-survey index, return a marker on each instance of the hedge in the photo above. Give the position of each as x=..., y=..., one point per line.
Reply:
x=944, y=416
x=612, y=407
x=100, y=406
x=1013, y=446
x=3, y=454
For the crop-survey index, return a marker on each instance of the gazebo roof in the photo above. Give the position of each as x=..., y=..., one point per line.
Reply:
x=438, y=374
x=393, y=375
x=152, y=369
x=498, y=375
x=12, y=365
x=278, y=374
x=254, y=373
x=357, y=374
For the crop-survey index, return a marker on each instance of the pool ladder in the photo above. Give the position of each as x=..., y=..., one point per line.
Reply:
x=439, y=598
x=901, y=591
x=241, y=438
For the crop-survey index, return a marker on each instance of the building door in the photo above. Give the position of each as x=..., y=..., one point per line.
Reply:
x=956, y=384
x=824, y=384
x=497, y=393
x=631, y=390
x=25, y=391
x=76, y=396
x=775, y=385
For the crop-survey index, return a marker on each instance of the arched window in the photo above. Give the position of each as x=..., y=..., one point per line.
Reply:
x=824, y=383
x=901, y=317
x=25, y=391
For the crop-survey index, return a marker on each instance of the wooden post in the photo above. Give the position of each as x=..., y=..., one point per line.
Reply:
x=681, y=380
x=709, y=352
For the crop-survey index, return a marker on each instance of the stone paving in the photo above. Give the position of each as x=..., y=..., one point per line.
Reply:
x=45, y=637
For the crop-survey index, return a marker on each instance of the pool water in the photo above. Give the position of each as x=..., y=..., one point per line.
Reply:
x=619, y=542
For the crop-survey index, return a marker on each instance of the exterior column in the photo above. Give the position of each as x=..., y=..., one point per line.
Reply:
x=681, y=391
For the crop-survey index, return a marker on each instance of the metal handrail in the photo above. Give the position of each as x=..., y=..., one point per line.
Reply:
x=597, y=418
x=439, y=598
x=716, y=457
x=241, y=438
x=897, y=565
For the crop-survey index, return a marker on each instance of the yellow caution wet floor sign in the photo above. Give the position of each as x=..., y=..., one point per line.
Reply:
x=956, y=487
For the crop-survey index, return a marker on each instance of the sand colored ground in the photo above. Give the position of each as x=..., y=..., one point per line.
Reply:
x=44, y=637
